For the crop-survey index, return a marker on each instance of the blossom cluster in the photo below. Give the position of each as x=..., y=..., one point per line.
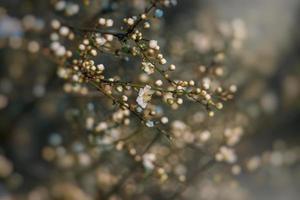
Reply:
x=146, y=112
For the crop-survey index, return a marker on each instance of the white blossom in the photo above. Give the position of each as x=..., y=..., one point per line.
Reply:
x=148, y=160
x=144, y=96
x=148, y=67
x=153, y=44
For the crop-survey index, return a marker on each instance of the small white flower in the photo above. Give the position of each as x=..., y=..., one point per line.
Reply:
x=148, y=161
x=100, y=41
x=144, y=96
x=164, y=120
x=64, y=31
x=102, y=21
x=130, y=21
x=148, y=67
x=55, y=24
x=149, y=123
x=153, y=44
x=61, y=50
x=109, y=22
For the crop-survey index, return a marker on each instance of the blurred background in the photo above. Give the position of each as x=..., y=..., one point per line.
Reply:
x=270, y=85
x=266, y=69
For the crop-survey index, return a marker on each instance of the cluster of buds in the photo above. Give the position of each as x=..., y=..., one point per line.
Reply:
x=142, y=100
